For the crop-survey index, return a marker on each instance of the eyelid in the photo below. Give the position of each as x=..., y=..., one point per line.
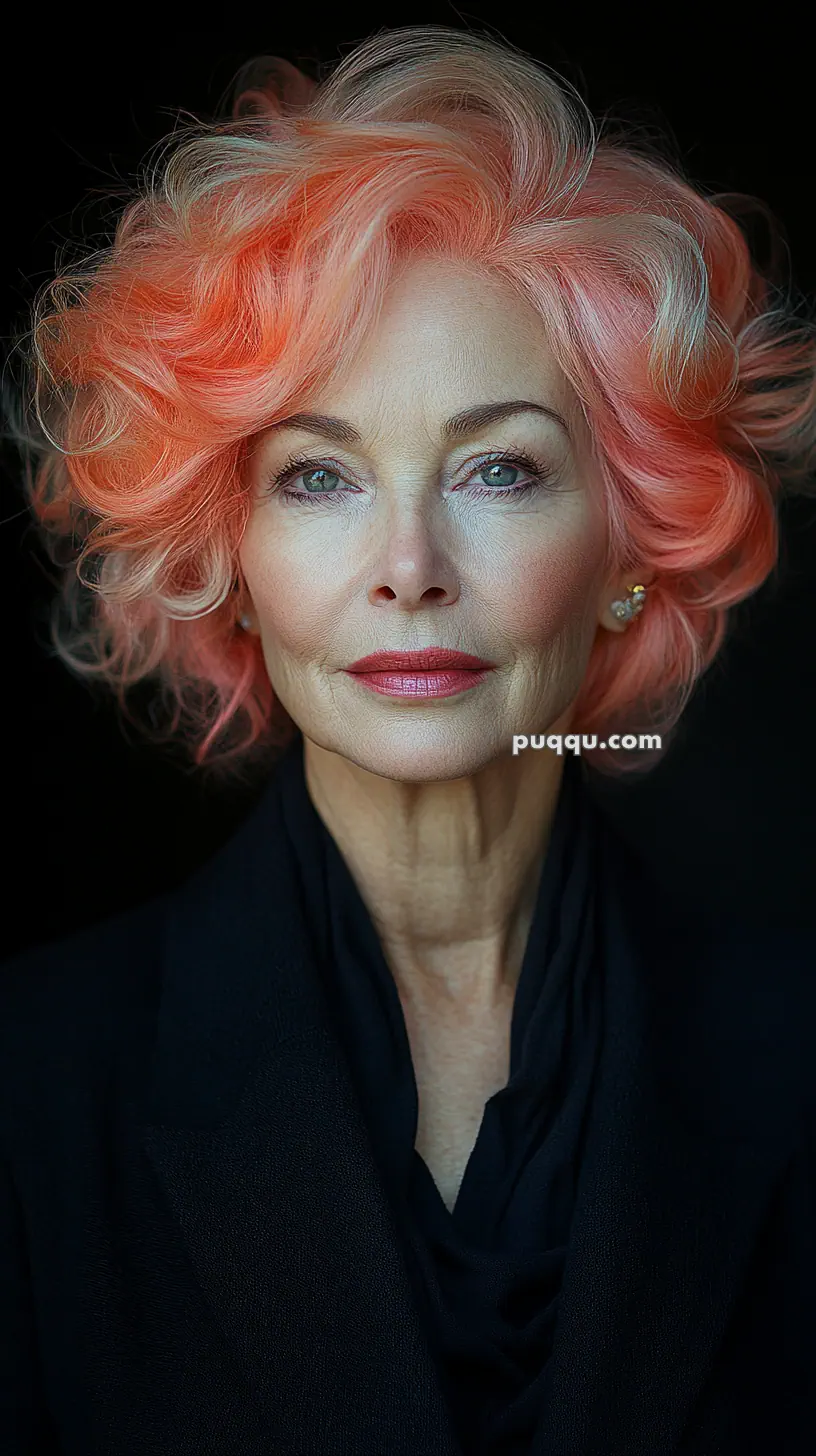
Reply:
x=298, y=463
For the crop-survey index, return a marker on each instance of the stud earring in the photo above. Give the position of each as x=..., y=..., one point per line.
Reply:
x=245, y=622
x=624, y=610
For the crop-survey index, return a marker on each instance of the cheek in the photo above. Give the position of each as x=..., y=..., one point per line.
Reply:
x=293, y=591
x=551, y=589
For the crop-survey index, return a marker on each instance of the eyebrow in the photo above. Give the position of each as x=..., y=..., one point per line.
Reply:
x=458, y=427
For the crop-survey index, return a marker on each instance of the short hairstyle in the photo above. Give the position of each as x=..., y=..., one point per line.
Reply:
x=245, y=267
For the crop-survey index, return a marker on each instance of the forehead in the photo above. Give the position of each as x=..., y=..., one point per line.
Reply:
x=457, y=309
x=446, y=337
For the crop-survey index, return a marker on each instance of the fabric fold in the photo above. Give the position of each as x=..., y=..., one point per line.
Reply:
x=488, y=1273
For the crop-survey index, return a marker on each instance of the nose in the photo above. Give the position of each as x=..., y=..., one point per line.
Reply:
x=414, y=575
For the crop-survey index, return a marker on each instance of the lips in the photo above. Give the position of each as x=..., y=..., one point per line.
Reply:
x=430, y=659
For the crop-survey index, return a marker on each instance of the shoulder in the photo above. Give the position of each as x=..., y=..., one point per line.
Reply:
x=106, y=949
x=733, y=997
x=740, y=1002
x=66, y=1003
x=768, y=970
x=747, y=973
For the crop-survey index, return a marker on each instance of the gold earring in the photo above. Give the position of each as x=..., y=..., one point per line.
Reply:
x=625, y=610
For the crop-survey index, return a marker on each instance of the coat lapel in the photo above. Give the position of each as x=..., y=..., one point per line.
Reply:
x=258, y=1140
x=685, y=1146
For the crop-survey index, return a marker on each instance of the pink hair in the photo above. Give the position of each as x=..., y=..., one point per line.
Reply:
x=241, y=276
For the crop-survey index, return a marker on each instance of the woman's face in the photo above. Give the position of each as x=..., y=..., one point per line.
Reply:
x=409, y=538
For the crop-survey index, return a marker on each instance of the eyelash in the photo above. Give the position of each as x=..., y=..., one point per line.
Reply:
x=299, y=464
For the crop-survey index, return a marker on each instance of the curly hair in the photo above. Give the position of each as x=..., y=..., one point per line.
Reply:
x=245, y=267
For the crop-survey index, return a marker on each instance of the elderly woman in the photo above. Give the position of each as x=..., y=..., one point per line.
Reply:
x=423, y=442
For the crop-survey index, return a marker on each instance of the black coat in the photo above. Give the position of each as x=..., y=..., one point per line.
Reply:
x=197, y=1256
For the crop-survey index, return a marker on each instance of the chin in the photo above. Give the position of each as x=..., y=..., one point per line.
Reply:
x=418, y=752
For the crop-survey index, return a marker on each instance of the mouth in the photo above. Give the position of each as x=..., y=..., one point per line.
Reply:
x=434, y=672
x=429, y=659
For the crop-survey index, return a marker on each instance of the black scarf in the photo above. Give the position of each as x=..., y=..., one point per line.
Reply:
x=488, y=1274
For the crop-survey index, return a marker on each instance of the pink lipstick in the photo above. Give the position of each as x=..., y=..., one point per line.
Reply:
x=435, y=672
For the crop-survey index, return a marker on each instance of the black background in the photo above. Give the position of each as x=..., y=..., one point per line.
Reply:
x=94, y=820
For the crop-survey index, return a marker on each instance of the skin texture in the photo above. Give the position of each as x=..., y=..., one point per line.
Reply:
x=443, y=830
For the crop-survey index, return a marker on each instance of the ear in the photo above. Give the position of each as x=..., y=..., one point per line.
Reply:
x=242, y=605
x=271, y=86
x=245, y=615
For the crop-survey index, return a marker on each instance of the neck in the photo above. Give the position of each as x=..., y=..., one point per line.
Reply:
x=447, y=870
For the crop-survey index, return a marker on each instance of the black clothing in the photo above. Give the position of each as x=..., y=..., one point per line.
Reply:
x=216, y=1239
x=491, y=1270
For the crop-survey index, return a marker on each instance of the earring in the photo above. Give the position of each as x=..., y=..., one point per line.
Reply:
x=245, y=622
x=626, y=609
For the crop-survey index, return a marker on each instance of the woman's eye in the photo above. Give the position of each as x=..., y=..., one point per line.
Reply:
x=488, y=479
x=318, y=487
x=495, y=470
